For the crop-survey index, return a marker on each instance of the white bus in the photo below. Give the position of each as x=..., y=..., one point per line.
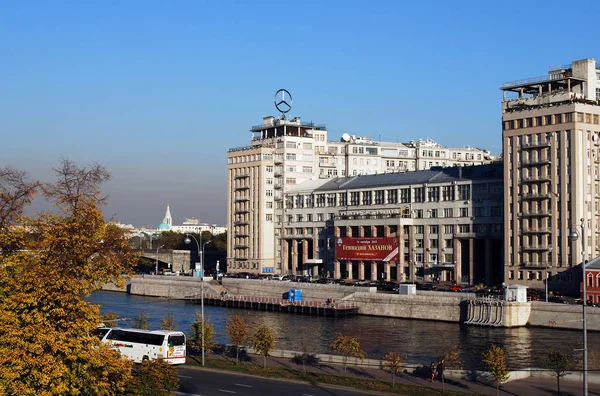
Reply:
x=139, y=345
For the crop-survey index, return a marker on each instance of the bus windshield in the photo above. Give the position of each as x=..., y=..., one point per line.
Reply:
x=176, y=340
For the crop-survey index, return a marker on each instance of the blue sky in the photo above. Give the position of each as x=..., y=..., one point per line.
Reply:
x=158, y=91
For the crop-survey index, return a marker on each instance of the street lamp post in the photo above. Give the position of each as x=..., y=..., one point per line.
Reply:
x=573, y=236
x=156, y=271
x=188, y=240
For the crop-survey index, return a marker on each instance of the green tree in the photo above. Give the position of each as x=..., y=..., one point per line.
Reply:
x=153, y=378
x=46, y=340
x=495, y=360
x=560, y=363
x=348, y=346
x=263, y=341
x=237, y=330
x=195, y=340
x=168, y=322
x=110, y=319
x=140, y=321
x=393, y=364
x=169, y=240
x=220, y=242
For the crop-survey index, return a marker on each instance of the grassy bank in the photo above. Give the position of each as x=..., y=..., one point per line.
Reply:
x=284, y=373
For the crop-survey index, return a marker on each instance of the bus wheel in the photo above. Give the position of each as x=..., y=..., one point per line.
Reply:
x=145, y=358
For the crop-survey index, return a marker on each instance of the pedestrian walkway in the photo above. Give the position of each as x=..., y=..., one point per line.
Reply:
x=528, y=386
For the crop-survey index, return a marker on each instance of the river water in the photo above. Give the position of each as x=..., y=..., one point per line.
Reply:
x=420, y=340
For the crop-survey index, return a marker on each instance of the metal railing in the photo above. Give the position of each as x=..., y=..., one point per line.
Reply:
x=277, y=301
x=526, y=81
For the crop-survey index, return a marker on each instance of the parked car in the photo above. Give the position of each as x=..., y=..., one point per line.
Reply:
x=456, y=288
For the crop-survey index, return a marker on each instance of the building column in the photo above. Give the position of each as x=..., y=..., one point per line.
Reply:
x=284, y=257
x=349, y=269
x=304, y=257
x=315, y=270
x=361, y=231
x=361, y=270
x=349, y=232
x=399, y=272
x=471, y=246
x=386, y=231
x=336, y=231
x=336, y=270
x=294, y=256
x=388, y=270
x=488, y=262
x=374, y=232
x=457, y=260
x=373, y=271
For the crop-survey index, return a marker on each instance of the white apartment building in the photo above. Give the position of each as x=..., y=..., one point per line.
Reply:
x=550, y=133
x=189, y=225
x=285, y=153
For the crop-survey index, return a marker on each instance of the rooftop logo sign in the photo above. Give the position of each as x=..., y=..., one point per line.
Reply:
x=283, y=101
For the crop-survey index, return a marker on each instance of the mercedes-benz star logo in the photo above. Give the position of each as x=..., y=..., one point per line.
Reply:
x=283, y=100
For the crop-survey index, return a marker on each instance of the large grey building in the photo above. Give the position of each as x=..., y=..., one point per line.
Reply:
x=550, y=136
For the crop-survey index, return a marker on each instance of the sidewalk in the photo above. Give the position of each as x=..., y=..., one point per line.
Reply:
x=529, y=386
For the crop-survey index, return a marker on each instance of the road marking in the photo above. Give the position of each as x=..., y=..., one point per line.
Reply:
x=186, y=394
x=244, y=385
x=184, y=376
x=226, y=391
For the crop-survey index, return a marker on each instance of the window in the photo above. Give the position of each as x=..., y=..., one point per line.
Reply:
x=269, y=193
x=392, y=196
x=309, y=217
x=464, y=212
x=290, y=156
x=299, y=218
x=419, y=213
x=320, y=200
x=307, y=169
x=379, y=197
x=433, y=194
x=269, y=204
x=418, y=243
x=331, y=201
x=419, y=194
x=434, y=229
x=448, y=193
x=269, y=217
x=354, y=198
x=464, y=192
x=433, y=243
x=367, y=198
x=269, y=168
x=434, y=213
x=448, y=212
x=448, y=229
x=405, y=195
x=419, y=229
x=320, y=217
x=343, y=199
x=448, y=243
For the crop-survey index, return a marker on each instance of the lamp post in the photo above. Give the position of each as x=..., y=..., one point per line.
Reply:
x=550, y=259
x=188, y=240
x=573, y=236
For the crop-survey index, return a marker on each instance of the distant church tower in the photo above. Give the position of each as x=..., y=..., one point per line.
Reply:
x=168, y=220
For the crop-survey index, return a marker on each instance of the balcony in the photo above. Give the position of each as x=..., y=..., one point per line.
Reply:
x=240, y=246
x=241, y=176
x=538, y=265
x=278, y=186
x=533, y=213
x=241, y=188
x=533, y=179
x=537, y=161
x=278, y=174
x=327, y=164
x=529, y=196
x=546, y=248
x=242, y=234
x=242, y=199
x=240, y=222
x=241, y=211
x=536, y=230
x=541, y=143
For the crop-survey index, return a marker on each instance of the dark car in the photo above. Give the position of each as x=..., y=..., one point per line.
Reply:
x=427, y=286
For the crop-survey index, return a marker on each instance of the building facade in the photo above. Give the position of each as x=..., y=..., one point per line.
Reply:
x=287, y=153
x=188, y=226
x=550, y=132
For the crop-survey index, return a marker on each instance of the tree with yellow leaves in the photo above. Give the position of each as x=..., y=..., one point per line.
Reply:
x=495, y=360
x=348, y=346
x=48, y=266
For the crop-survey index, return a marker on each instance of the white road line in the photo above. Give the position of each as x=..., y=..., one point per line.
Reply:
x=226, y=391
x=244, y=385
x=184, y=376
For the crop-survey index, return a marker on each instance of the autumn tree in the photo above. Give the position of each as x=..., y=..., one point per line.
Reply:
x=348, y=346
x=168, y=322
x=237, y=330
x=263, y=342
x=495, y=360
x=452, y=359
x=140, y=321
x=393, y=364
x=153, y=378
x=195, y=340
x=48, y=266
x=559, y=363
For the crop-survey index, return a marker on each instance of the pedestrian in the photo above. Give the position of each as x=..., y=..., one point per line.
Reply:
x=431, y=371
x=440, y=369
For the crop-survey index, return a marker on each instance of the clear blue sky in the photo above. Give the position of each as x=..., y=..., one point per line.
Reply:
x=157, y=91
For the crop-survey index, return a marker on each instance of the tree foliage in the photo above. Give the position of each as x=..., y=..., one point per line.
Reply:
x=48, y=265
x=195, y=339
x=168, y=322
x=110, y=319
x=140, y=321
x=560, y=363
x=393, y=364
x=263, y=341
x=348, y=346
x=153, y=378
x=237, y=330
x=495, y=360
x=452, y=357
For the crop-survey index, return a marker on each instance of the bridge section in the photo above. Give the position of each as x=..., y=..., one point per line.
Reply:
x=179, y=260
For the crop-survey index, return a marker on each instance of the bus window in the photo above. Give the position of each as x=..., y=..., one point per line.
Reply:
x=100, y=332
x=176, y=340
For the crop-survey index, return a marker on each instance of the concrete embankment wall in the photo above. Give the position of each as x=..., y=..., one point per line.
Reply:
x=176, y=287
x=276, y=289
x=563, y=316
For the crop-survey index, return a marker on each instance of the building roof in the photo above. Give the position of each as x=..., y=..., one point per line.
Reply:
x=593, y=264
x=433, y=175
x=163, y=227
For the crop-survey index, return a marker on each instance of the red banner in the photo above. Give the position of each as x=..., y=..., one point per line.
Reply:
x=367, y=249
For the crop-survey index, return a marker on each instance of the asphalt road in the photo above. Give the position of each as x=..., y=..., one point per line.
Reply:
x=199, y=382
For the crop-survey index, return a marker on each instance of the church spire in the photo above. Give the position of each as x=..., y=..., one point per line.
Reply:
x=168, y=220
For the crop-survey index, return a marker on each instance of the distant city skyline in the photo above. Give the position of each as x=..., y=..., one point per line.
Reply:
x=158, y=92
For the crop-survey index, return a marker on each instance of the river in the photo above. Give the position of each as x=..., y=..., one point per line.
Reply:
x=420, y=340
